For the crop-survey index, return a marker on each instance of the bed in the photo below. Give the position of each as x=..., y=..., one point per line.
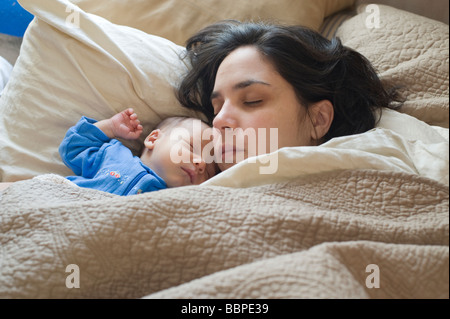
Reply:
x=363, y=216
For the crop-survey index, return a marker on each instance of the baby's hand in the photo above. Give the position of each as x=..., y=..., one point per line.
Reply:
x=126, y=125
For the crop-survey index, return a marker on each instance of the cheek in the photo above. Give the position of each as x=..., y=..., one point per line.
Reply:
x=297, y=134
x=292, y=127
x=263, y=119
x=288, y=129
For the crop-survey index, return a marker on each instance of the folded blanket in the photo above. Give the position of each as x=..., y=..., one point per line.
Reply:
x=350, y=233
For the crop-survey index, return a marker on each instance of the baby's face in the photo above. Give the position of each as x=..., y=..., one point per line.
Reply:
x=184, y=155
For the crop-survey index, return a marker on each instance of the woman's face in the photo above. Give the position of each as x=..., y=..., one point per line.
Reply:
x=250, y=94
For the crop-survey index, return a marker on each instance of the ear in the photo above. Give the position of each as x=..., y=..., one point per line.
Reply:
x=151, y=138
x=321, y=114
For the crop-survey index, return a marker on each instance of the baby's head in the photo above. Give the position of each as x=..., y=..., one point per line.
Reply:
x=175, y=151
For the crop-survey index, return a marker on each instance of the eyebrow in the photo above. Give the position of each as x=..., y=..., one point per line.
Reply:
x=240, y=86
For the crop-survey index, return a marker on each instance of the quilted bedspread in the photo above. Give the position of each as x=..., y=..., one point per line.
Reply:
x=409, y=51
x=346, y=234
x=357, y=217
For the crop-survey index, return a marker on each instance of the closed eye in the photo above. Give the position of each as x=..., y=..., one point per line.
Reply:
x=252, y=102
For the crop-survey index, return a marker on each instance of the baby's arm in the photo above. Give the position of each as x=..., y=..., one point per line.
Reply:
x=122, y=125
x=80, y=147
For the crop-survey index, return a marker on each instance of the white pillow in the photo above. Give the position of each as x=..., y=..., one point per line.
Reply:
x=71, y=64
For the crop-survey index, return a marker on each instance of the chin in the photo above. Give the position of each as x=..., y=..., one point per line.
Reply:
x=173, y=185
x=177, y=183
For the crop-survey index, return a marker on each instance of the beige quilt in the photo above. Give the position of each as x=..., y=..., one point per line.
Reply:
x=347, y=234
x=358, y=217
x=409, y=51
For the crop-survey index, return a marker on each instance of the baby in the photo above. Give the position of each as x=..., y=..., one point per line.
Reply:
x=100, y=161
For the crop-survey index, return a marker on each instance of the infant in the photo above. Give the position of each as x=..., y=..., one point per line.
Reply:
x=100, y=161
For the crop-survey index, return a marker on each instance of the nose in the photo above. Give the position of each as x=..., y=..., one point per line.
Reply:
x=226, y=118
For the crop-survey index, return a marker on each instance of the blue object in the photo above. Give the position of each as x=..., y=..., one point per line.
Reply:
x=14, y=19
x=105, y=164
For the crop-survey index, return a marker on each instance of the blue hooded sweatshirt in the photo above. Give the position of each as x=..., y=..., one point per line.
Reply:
x=105, y=164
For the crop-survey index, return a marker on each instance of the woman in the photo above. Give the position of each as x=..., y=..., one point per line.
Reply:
x=261, y=76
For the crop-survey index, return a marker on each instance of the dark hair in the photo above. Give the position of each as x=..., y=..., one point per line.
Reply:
x=317, y=68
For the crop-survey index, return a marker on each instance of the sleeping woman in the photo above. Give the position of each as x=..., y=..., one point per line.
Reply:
x=262, y=76
x=289, y=78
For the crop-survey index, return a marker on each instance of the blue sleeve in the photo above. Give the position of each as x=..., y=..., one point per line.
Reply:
x=82, y=147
